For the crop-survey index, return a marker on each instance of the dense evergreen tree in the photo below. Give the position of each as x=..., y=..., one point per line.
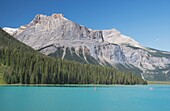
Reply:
x=27, y=66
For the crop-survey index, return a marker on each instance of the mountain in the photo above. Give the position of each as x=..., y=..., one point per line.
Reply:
x=10, y=30
x=59, y=37
x=20, y=64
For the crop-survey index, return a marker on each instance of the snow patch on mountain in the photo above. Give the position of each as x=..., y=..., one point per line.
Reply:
x=11, y=31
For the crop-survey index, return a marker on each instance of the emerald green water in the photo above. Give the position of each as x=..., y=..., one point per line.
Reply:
x=112, y=98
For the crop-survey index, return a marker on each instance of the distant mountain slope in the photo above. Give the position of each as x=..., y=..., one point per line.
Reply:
x=20, y=63
x=59, y=37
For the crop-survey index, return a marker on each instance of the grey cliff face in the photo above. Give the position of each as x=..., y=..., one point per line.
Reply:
x=55, y=35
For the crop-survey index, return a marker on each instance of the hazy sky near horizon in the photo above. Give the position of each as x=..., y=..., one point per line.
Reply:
x=146, y=21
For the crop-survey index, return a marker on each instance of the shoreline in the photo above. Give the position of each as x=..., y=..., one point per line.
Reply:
x=68, y=85
x=87, y=85
x=159, y=82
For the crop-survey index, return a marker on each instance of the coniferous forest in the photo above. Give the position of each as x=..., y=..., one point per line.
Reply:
x=27, y=66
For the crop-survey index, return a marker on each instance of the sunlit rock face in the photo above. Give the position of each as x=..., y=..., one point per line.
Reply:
x=57, y=36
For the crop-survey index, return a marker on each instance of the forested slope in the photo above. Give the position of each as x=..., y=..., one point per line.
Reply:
x=27, y=66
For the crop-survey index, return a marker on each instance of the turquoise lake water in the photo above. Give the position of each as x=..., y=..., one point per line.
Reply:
x=112, y=98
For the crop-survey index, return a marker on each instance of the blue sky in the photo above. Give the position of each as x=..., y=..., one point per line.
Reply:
x=146, y=21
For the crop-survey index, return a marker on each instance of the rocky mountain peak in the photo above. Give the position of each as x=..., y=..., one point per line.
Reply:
x=58, y=15
x=59, y=27
x=41, y=17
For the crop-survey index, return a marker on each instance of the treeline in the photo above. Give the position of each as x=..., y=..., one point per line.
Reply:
x=26, y=66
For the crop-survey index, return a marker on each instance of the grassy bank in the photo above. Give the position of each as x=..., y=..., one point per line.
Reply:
x=159, y=82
